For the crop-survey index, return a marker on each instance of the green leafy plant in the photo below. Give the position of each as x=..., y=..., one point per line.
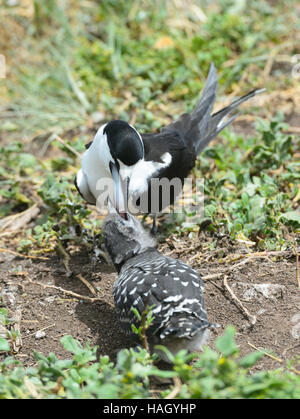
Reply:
x=8, y=334
x=15, y=169
x=219, y=373
x=66, y=218
x=251, y=192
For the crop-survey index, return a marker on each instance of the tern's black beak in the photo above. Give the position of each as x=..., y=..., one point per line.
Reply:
x=112, y=210
x=121, y=191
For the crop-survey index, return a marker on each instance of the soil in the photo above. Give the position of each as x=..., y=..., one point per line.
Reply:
x=26, y=287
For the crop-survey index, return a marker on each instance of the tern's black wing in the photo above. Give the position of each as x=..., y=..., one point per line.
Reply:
x=172, y=142
x=182, y=161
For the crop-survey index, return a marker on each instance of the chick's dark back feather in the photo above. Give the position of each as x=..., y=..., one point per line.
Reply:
x=172, y=287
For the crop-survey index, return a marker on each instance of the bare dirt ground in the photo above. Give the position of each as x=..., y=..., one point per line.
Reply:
x=265, y=285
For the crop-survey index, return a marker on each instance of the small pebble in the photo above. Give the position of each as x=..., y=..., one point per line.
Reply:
x=40, y=334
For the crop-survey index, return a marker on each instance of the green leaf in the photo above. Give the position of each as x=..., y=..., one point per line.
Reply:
x=292, y=216
x=226, y=343
x=4, y=345
x=71, y=344
x=166, y=351
x=108, y=391
x=124, y=360
x=256, y=387
x=136, y=313
x=162, y=373
x=9, y=126
x=27, y=160
x=251, y=359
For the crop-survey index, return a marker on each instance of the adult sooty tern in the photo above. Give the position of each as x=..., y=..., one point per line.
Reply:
x=119, y=153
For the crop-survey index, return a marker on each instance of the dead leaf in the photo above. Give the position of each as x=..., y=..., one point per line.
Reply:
x=17, y=221
x=164, y=42
x=297, y=197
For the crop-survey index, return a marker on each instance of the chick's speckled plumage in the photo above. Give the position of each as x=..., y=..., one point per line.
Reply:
x=170, y=285
x=148, y=278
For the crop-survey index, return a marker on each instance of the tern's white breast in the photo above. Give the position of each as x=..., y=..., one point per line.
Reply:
x=95, y=165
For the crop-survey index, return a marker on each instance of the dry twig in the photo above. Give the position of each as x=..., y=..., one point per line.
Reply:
x=292, y=130
x=66, y=258
x=271, y=253
x=74, y=294
x=40, y=330
x=17, y=343
x=70, y=148
x=291, y=237
x=2, y=250
x=17, y=221
x=176, y=389
x=87, y=284
x=275, y=358
x=297, y=261
x=31, y=388
x=290, y=348
x=229, y=269
x=250, y=317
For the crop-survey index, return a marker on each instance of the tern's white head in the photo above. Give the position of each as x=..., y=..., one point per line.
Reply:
x=114, y=153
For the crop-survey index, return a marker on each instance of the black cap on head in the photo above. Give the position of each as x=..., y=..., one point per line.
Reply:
x=124, y=142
